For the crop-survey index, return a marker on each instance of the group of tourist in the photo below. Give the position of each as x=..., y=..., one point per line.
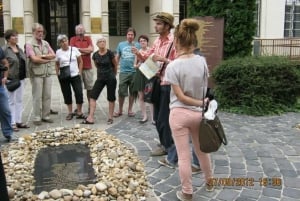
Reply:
x=176, y=115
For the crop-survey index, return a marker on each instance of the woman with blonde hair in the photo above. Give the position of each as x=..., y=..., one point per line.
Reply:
x=187, y=75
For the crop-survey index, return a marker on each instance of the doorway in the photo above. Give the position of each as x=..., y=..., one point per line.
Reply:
x=58, y=17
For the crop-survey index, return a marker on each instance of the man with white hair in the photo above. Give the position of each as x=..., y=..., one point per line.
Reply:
x=85, y=47
x=40, y=55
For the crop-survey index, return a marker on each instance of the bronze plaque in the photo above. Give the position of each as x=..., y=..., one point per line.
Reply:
x=17, y=24
x=210, y=41
x=96, y=25
x=64, y=166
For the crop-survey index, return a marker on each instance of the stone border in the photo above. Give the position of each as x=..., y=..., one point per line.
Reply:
x=119, y=171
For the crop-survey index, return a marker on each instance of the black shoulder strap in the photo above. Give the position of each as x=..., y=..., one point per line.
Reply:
x=167, y=56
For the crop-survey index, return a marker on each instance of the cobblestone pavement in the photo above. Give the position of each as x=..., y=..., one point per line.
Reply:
x=264, y=150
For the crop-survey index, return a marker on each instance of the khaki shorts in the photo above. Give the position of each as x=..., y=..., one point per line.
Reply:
x=125, y=83
x=88, y=78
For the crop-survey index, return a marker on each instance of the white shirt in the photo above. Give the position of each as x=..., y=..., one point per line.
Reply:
x=63, y=57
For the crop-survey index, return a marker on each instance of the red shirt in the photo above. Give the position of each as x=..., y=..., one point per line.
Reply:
x=76, y=41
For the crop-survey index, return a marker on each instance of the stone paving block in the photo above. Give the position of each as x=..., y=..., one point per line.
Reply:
x=237, y=165
x=163, y=173
x=254, y=175
x=163, y=188
x=243, y=198
x=254, y=168
x=253, y=162
x=250, y=193
x=263, y=198
x=291, y=192
x=292, y=182
x=228, y=194
x=289, y=173
x=173, y=181
x=221, y=170
x=153, y=180
x=289, y=199
x=284, y=163
x=221, y=162
x=237, y=172
x=271, y=192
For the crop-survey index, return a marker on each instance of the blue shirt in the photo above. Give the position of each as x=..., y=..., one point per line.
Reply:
x=126, y=56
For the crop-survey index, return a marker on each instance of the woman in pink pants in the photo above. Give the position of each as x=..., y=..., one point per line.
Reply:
x=187, y=75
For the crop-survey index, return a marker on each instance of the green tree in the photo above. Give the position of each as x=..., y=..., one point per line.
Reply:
x=239, y=27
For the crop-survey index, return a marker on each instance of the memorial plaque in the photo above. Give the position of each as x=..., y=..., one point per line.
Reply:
x=17, y=24
x=96, y=25
x=64, y=166
x=210, y=41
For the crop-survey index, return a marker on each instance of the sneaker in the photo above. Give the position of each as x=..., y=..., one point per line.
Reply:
x=47, y=120
x=158, y=152
x=183, y=196
x=196, y=170
x=166, y=163
x=53, y=111
x=209, y=187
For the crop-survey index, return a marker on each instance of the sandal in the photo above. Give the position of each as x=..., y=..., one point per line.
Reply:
x=110, y=121
x=117, y=114
x=15, y=128
x=81, y=116
x=22, y=125
x=131, y=114
x=69, y=117
x=87, y=122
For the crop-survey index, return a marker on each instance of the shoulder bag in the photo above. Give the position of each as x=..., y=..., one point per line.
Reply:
x=211, y=132
x=65, y=71
x=152, y=86
x=13, y=84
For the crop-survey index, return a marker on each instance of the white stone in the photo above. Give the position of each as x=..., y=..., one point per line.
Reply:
x=43, y=195
x=101, y=186
x=55, y=194
x=87, y=193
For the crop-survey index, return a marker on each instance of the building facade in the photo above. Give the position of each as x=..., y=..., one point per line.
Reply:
x=275, y=18
x=110, y=18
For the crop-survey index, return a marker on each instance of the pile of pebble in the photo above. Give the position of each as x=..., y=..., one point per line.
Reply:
x=119, y=171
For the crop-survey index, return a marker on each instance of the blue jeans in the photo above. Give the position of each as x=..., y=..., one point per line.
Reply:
x=173, y=158
x=172, y=155
x=195, y=161
x=5, y=115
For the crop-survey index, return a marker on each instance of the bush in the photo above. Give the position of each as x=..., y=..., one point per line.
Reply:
x=257, y=85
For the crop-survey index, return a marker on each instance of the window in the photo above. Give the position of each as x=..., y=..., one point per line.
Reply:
x=119, y=17
x=257, y=17
x=292, y=18
x=182, y=9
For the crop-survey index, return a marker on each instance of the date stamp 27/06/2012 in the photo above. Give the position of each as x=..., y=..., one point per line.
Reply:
x=245, y=181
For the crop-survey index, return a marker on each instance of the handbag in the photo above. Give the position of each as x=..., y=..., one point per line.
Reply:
x=211, y=132
x=152, y=86
x=65, y=71
x=13, y=84
x=152, y=90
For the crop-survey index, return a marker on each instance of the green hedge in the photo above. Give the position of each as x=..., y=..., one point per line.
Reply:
x=258, y=85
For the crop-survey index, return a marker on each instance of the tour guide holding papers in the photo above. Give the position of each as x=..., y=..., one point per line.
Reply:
x=163, y=25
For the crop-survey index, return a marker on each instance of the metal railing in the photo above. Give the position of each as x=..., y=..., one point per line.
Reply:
x=277, y=47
